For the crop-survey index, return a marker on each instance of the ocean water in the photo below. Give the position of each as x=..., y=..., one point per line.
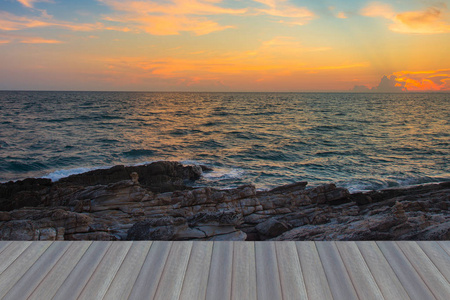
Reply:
x=358, y=141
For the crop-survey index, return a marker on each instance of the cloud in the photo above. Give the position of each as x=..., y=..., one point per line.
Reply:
x=170, y=17
x=262, y=64
x=434, y=80
x=433, y=20
x=7, y=38
x=388, y=84
x=290, y=14
x=378, y=9
x=38, y=40
x=11, y=22
x=341, y=15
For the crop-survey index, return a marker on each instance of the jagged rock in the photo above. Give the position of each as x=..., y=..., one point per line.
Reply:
x=272, y=227
x=154, y=204
x=219, y=218
x=158, y=176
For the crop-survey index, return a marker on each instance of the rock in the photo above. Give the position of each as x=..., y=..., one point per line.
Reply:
x=272, y=227
x=290, y=187
x=158, y=176
x=153, y=203
x=135, y=177
x=219, y=218
x=232, y=236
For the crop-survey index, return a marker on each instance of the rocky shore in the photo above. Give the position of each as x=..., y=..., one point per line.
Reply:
x=154, y=202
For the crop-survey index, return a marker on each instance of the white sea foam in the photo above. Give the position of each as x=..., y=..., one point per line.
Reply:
x=220, y=173
x=57, y=175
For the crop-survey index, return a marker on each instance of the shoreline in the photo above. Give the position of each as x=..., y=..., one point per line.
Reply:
x=154, y=202
x=63, y=174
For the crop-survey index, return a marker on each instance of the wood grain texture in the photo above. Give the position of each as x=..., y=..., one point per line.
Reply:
x=360, y=275
x=53, y=280
x=431, y=275
x=105, y=272
x=220, y=271
x=147, y=282
x=267, y=275
x=438, y=256
x=338, y=279
x=445, y=245
x=10, y=253
x=411, y=281
x=244, y=271
x=225, y=270
x=24, y=261
x=316, y=282
x=381, y=271
x=78, y=278
x=37, y=272
x=197, y=273
x=120, y=287
x=171, y=282
x=291, y=277
x=4, y=244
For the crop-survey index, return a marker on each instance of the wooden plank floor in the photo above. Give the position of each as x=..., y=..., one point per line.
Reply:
x=224, y=270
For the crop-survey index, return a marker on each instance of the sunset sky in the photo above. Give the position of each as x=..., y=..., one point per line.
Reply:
x=222, y=45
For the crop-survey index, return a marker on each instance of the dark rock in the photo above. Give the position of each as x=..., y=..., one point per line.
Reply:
x=161, y=176
x=27, y=192
x=272, y=227
x=216, y=218
x=289, y=187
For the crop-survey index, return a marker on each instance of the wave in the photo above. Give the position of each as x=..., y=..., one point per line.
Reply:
x=139, y=152
x=57, y=175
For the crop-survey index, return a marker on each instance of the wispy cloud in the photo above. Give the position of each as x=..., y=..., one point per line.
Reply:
x=170, y=17
x=262, y=64
x=288, y=13
x=29, y=3
x=8, y=38
x=435, y=19
x=12, y=22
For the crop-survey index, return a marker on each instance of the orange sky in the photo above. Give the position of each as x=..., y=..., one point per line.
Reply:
x=219, y=45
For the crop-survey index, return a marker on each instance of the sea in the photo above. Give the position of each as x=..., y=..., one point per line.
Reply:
x=357, y=141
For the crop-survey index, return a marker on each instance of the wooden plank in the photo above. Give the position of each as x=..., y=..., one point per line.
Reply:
x=316, y=282
x=411, y=281
x=381, y=271
x=150, y=274
x=4, y=244
x=77, y=279
x=445, y=245
x=126, y=276
x=171, y=281
x=436, y=282
x=15, y=270
x=291, y=277
x=360, y=275
x=31, y=279
x=220, y=271
x=103, y=275
x=55, y=277
x=10, y=253
x=197, y=273
x=438, y=256
x=338, y=279
x=244, y=271
x=267, y=275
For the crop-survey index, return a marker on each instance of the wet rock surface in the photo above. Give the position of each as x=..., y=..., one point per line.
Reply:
x=153, y=203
